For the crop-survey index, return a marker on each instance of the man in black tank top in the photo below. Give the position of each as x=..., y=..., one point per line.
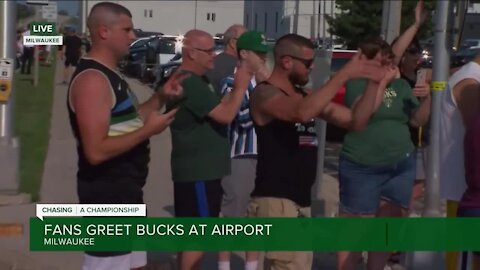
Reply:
x=283, y=114
x=111, y=129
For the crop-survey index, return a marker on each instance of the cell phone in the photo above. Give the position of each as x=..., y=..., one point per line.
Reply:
x=421, y=76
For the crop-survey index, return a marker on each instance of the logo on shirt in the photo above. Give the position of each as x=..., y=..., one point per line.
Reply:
x=389, y=96
x=307, y=134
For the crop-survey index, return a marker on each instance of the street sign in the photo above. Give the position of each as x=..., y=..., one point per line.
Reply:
x=37, y=2
x=49, y=12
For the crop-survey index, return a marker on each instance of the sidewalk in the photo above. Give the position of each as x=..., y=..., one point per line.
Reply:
x=59, y=186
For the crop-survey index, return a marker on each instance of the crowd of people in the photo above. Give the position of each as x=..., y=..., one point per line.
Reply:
x=243, y=136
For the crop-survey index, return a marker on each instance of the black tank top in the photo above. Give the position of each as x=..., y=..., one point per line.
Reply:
x=124, y=174
x=287, y=160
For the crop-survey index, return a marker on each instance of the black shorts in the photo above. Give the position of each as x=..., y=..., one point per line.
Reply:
x=198, y=199
x=71, y=61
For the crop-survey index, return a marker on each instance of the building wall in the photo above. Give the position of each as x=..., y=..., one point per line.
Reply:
x=310, y=14
x=267, y=17
x=177, y=17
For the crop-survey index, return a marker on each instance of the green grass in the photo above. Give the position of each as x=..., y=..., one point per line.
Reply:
x=32, y=112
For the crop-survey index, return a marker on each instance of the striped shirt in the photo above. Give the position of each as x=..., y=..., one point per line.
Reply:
x=243, y=139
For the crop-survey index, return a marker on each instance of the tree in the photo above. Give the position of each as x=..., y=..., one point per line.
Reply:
x=359, y=20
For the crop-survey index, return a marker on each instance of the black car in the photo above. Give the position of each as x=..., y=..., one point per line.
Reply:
x=164, y=71
x=463, y=56
x=134, y=62
x=145, y=54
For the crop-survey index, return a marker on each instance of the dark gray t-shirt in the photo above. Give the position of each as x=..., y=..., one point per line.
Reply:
x=224, y=67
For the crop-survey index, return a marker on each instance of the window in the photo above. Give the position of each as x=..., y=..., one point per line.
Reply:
x=265, y=23
x=166, y=46
x=213, y=17
x=276, y=22
x=145, y=13
x=255, y=22
x=151, y=13
x=248, y=21
x=208, y=16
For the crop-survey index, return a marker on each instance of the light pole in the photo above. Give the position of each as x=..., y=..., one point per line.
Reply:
x=8, y=144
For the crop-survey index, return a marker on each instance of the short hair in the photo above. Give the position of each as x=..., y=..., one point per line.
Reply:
x=107, y=6
x=291, y=43
x=371, y=46
x=231, y=33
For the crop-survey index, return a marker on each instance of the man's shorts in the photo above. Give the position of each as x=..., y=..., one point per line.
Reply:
x=280, y=207
x=122, y=262
x=197, y=199
x=238, y=186
x=363, y=187
x=71, y=61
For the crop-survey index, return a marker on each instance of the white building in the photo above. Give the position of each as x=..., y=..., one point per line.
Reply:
x=177, y=17
x=274, y=18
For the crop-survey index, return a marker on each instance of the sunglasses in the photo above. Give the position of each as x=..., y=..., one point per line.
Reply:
x=306, y=62
x=414, y=51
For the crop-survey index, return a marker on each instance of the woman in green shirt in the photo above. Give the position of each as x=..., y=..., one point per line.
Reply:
x=377, y=162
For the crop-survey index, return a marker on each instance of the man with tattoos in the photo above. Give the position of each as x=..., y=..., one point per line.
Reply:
x=283, y=113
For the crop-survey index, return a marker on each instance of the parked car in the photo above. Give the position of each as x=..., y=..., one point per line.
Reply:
x=139, y=33
x=134, y=62
x=146, y=53
x=463, y=56
x=163, y=71
x=160, y=50
x=470, y=43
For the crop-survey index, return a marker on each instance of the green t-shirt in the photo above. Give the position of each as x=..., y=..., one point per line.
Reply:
x=386, y=139
x=200, y=148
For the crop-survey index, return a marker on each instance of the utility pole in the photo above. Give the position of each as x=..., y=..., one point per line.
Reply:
x=84, y=14
x=435, y=260
x=195, y=16
x=8, y=144
x=319, y=75
x=313, y=20
x=391, y=18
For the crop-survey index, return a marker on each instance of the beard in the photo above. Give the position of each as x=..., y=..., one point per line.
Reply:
x=297, y=79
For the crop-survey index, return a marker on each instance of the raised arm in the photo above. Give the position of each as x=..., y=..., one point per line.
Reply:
x=228, y=108
x=406, y=38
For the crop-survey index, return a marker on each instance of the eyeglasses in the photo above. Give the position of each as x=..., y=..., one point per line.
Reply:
x=306, y=62
x=209, y=51
x=414, y=51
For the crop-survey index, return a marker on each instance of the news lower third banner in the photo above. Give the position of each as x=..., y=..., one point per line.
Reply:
x=256, y=234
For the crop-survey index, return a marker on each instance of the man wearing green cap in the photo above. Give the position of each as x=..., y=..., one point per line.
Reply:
x=252, y=51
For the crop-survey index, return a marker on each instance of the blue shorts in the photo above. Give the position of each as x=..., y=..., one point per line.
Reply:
x=197, y=199
x=362, y=187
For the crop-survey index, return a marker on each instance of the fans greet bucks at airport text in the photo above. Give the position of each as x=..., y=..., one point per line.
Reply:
x=43, y=34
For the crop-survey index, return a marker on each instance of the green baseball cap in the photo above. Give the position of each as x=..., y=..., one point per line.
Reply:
x=253, y=41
